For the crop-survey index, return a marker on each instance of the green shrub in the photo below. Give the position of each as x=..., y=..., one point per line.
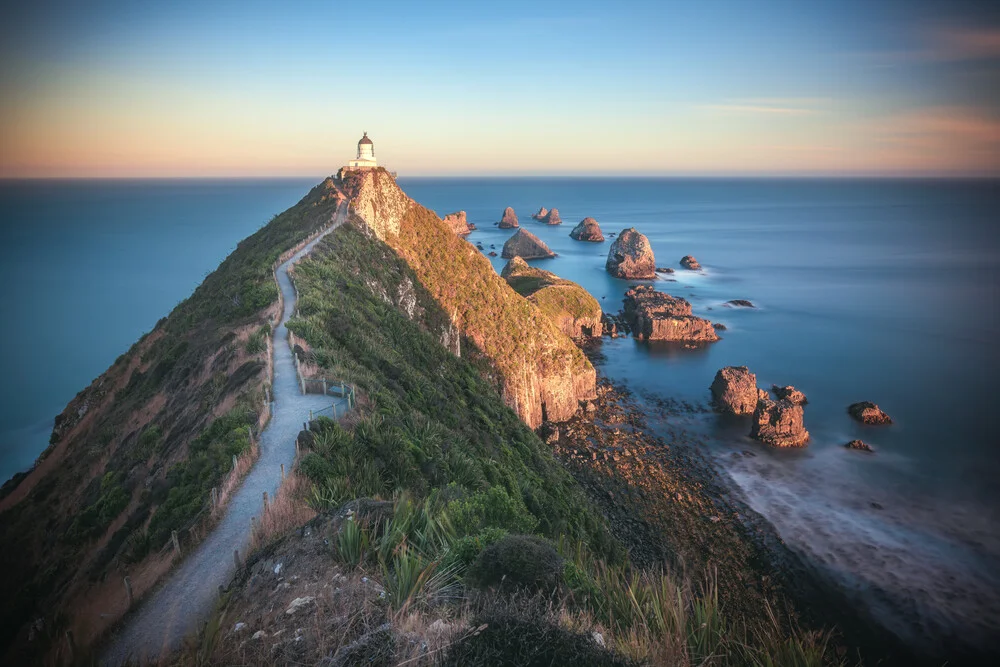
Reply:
x=352, y=543
x=493, y=508
x=519, y=562
x=465, y=550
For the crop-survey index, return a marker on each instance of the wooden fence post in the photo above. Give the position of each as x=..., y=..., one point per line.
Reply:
x=215, y=497
x=234, y=461
x=265, y=501
x=283, y=470
x=128, y=591
x=173, y=538
x=236, y=558
x=310, y=414
x=324, y=386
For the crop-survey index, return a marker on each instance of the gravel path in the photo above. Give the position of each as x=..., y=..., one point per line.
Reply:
x=179, y=606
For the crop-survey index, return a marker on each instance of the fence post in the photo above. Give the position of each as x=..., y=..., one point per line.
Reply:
x=253, y=525
x=302, y=381
x=310, y=414
x=267, y=395
x=236, y=558
x=265, y=501
x=215, y=497
x=324, y=386
x=173, y=538
x=234, y=462
x=341, y=389
x=128, y=590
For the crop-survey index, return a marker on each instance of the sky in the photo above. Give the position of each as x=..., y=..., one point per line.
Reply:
x=717, y=87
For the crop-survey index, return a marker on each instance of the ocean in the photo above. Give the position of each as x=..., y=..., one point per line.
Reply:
x=882, y=290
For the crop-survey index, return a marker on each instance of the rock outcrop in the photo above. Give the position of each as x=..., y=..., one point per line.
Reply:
x=739, y=303
x=540, y=373
x=790, y=393
x=778, y=423
x=542, y=214
x=860, y=445
x=587, y=230
x=509, y=219
x=690, y=263
x=655, y=315
x=867, y=412
x=458, y=223
x=525, y=244
x=631, y=257
x=550, y=218
x=569, y=306
x=734, y=390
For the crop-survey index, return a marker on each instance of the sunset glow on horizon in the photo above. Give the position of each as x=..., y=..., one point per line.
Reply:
x=720, y=88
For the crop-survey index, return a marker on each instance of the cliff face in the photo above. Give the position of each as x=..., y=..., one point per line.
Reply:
x=541, y=374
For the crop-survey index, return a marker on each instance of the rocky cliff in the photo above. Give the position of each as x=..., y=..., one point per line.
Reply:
x=572, y=308
x=539, y=371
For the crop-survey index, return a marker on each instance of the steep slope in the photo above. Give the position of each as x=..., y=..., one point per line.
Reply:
x=540, y=372
x=568, y=305
x=135, y=455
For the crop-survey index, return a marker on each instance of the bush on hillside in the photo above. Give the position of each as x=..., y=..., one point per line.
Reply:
x=519, y=562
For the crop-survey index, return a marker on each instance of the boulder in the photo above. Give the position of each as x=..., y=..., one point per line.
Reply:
x=458, y=223
x=778, y=423
x=566, y=304
x=734, y=390
x=719, y=326
x=509, y=219
x=664, y=269
x=631, y=257
x=860, y=445
x=587, y=230
x=790, y=393
x=542, y=214
x=867, y=412
x=655, y=315
x=739, y=303
x=690, y=263
x=525, y=244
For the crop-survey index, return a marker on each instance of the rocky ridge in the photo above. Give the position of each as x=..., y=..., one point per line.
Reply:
x=572, y=308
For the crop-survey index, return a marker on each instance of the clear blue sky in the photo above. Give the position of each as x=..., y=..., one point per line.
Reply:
x=713, y=87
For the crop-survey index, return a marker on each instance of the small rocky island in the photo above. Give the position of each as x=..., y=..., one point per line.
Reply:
x=867, y=412
x=509, y=219
x=690, y=263
x=631, y=257
x=525, y=244
x=458, y=223
x=655, y=315
x=734, y=390
x=778, y=423
x=564, y=302
x=587, y=230
x=548, y=216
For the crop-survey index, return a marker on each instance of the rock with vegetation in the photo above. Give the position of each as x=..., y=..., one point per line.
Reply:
x=790, y=393
x=778, y=423
x=587, y=230
x=867, y=412
x=631, y=257
x=655, y=315
x=508, y=220
x=537, y=368
x=458, y=223
x=690, y=263
x=734, y=390
x=569, y=306
x=525, y=244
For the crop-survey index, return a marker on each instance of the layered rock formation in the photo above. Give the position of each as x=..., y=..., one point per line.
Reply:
x=790, y=393
x=734, y=390
x=539, y=372
x=569, y=306
x=508, y=220
x=631, y=257
x=867, y=412
x=655, y=315
x=690, y=263
x=458, y=223
x=525, y=244
x=778, y=423
x=587, y=230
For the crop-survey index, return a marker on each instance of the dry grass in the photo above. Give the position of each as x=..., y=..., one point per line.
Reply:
x=244, y=462
x=284, y=513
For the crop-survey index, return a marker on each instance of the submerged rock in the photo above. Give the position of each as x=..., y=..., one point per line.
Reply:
x=778, y=423
x=569, y=306
x=664, y=269
x=860, y=445
x=719, y=326
x=631, y=257
x=525, y=244
x=867, y=412
x=587, y=230
x=458, y=223
x=656, y=315
x=739, y=303
x=509, y=219
x=734, y=390
x=791, y=393
x=690, y=263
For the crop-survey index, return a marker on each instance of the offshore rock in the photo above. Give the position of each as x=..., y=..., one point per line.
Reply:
x=587, y=230
x=525, y=244
x=690, y=263
x=631, y=257
x=734, y=390
x=867, y=412
x=509, y=219
x=566, y=304
x=791, y=393
x=739, y=303
x=655, y=315
x=550, y=218
x=458, y=223
x=860, y=445
x=542, y=214
x=778, y=423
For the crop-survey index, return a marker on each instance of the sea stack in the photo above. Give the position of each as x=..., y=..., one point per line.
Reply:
x=690, y=263
x=458, y=223
x=734, y=390
x=587, y=230
x=778, y=423
x=631, y=257
x=509, y=219
x=867, y=412
x=542, y=214
x=551, y=218
x=525, y=244
x=658, y=316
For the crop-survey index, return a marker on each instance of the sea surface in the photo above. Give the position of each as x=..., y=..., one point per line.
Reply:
x=881, y=290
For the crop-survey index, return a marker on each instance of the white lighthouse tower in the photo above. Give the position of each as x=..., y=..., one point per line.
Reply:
x=366, y=155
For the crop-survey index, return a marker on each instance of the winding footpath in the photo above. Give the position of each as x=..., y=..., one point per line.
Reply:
x=179, y=606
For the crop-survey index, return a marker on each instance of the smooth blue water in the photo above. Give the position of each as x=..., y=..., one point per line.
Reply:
x=87, y=267
x=876, y=290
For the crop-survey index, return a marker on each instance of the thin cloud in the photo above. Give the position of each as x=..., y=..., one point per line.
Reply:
x=767, y=106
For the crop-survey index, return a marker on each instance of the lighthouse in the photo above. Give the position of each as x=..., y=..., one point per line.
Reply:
x=366, y=155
